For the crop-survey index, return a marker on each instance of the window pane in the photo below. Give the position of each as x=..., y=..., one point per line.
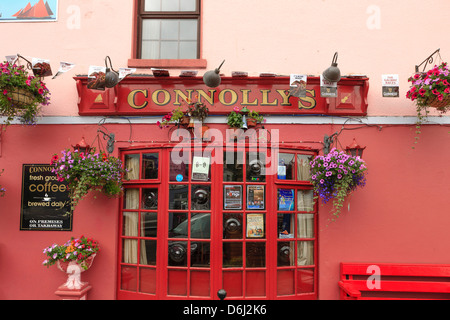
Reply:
x=152, y=5
x=151, y=29
x=303, y=169
x=255, y=254
x=188, y=50
x=149, y=224
x=169, y=50
x=150, y=50
x=131, y=199
x=178, y=253
x=232, y=254
x=130, y=224
x=188, y=29
x=201, y=197
x=200, y=254
x=132, y=165
x=130, y=249
x=286, y=226
x=256, y=167
x=170, y=5
x=286, y=199
x=188, y=5
x=148, y=252
x=233, y=166
x=201, y=225
x=150, y=165
x=305, y=225
x=285, y=254
x=149, y=199
x=305, y=253
x=178, y=225
x=179, y=165
x=178, y=197
x=286, y=166
x=169, y=29
x=232, y=225
x=305, y=200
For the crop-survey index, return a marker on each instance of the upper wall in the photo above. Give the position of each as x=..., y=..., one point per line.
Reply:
x=284, y=37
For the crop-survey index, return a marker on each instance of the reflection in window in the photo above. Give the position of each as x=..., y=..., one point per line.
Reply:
x=232, y=225
x=255, y=254
x=178, y=197
x=149, y=223
x=233, y=168
x=201, y=225
x=178, y=225
x=256, y=167
x=148, y=252
x=200, y=254
x=232, y=254
x=132, y=166
x=179, y=165
x=149, y=199
x=201, y=197
x=150, y=166
x=286, y=165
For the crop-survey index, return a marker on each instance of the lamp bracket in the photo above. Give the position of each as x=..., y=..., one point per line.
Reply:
x=428, y=60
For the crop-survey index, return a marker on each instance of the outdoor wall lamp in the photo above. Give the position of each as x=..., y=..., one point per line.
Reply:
x=82, y=146
x=327, y=142
x=355, y=149
x=212, y=77
x=111, y=76
x=332, y=74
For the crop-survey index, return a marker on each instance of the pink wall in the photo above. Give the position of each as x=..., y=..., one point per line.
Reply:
x=400, y=216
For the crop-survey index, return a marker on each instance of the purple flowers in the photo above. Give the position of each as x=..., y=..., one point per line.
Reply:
x=336, y=175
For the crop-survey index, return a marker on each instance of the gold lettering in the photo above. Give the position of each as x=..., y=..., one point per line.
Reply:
x=265, y=98
x=245, y=101
x=131, y=99
x=179, y=93
x=309, y=100
x=155, y=97
x=234, y=97
x=210, y=98
x=285, y=96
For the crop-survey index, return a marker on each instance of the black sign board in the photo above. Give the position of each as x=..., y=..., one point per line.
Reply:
x=45, y=200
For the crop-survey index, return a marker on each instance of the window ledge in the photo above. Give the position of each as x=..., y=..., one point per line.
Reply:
x=167, y=63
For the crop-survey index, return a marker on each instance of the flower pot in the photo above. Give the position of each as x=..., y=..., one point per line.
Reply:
x=251, y=122
x=74, y=270
x=21, y=97
x=440, y=104
x=184, y=122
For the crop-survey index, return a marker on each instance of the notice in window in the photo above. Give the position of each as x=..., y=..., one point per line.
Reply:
x=45, y=200
x=255, y=225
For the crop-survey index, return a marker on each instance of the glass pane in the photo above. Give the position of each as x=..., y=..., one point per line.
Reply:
x=232, y=225
x=149, y=199
x=132, y=165
x=150, y=165
x=149, y=223
x=188, y=30
x=305, y=225
x=286, y=200
x=128, y=278
x=232, y=197
x=305, y=253
x=178, y=197
x=286, y=226
x=170, y=29
x=233, y=166
x=256, y=167
x=170, y=5
x=303, y=168
x=151, y=29
x=200, y=254
x=305, y=280
x=130, y=224
x=178, y=225
x=147, y=279
x=256, y=197
x=255, y=254
x=201, y=197
x=150, y=50
x=179, y=165
x=148, y=252
x=232, y=254
x=200, y=225
x=178, y=253
x=286, y=165
x=188, y=50
x=285, y=254
x=131, y=199
x=129, y=251
x=201, y=167
x=305, y=200
x=169, y=50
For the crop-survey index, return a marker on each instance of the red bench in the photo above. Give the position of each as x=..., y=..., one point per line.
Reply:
x=382, y=281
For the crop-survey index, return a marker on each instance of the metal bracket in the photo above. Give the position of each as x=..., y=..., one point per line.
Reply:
x=427, y=60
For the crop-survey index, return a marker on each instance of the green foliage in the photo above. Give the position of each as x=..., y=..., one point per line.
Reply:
x=234, y=120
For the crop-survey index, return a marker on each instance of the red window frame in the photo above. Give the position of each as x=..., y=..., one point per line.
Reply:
x=233, y=279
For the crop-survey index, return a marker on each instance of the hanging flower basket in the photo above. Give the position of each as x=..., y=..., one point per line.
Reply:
x=21, y=95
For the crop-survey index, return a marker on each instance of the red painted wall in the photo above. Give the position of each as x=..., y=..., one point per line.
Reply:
x=402, y=215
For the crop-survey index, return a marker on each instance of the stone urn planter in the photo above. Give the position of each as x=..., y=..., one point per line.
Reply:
x=74, y=270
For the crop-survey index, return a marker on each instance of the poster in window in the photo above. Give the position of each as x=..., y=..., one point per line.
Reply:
x=232, y=197
x=45, y=200
x=200, y=168
x=255, y=197
x=255, y=225
x=285, y=199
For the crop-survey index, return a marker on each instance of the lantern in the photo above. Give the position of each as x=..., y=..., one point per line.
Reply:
x=332, y=74
x=82, y=146
x=355, y=149
x=212, y=78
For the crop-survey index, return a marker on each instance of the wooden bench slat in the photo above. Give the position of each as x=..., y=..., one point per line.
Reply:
x=399, y=286
x=416, y=270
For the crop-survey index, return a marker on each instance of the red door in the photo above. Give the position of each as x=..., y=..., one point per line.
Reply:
x=238, y=218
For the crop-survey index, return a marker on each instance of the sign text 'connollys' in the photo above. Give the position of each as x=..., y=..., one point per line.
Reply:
x=144, y=95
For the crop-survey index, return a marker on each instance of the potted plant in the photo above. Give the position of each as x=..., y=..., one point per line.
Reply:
x=89, y=171
x=336, y=175
x=2, y=190
x=430, y=89
x=176, y=116
x=235, y=118
x=253, y=118
x=73, y=257
x=21, y=95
